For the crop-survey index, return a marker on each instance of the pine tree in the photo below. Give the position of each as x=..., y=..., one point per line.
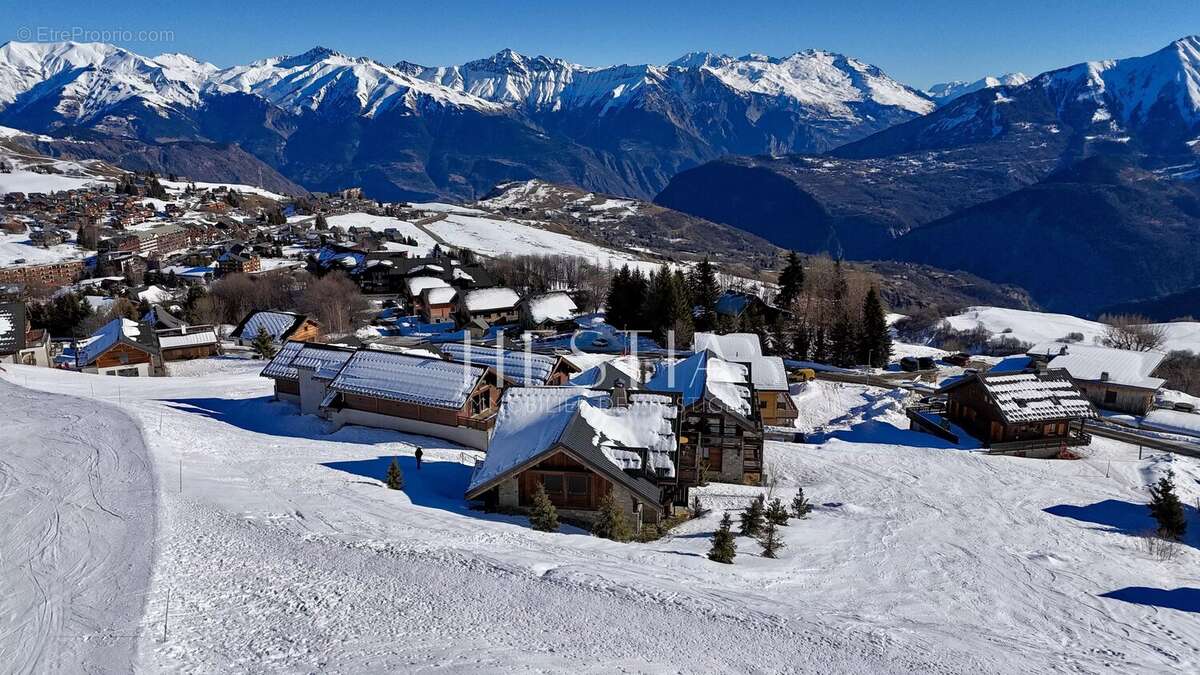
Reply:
x=752, y=518
x=875, y=340
x=777, y=513
x=321, y=223
x=724, y=548
x=770, y=541
x=705, y=293
x=1167, y=509
x=262, y=345
x=611, y=523
x=791, y=281
x=395, y=477
x=843, y=340
x=543, y=516
x=800, y=506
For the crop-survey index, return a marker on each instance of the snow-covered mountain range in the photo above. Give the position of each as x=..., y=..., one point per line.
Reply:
x=624, y=129
x=944, y=92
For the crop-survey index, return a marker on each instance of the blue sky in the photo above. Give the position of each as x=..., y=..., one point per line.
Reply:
x=918, y=42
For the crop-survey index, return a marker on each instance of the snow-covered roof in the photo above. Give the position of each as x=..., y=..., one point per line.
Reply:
x=442, y=295
x=110, y=334
x=400, y=377
x=491, y=299
x=323, y=359
x=277, y=324
x=1103, y=364
x=767, y=373
x=198, y=337
x=705, y=373
x=524, y=368
x=557, y=306
x=155, y=294
x=1036, y=397
x=534, y=420
x=417, y=284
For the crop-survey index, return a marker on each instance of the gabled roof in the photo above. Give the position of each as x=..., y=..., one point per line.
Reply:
x=767, y=373
x=278, y=324
x=556, y=306
x=12, y=327
x=197, y=337
x=110, y=334
x=411, y=379
x=159, y=315
x=523, y=368
x=490, y=299
x=1103, y=364
x=417, y=284
x=441, y=295
x=534, y=422
x=1031, y=397
x=324, y=359
x=704, y=375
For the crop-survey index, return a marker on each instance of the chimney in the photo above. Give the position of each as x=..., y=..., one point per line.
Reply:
x=1104, y=376
x=620, y=397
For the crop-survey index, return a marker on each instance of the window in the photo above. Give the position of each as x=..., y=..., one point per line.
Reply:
x=1110, y=396
x=553, y=483
x=577, y=485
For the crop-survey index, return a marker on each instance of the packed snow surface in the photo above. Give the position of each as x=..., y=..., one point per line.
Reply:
x=281, y=551
x=1039, y=327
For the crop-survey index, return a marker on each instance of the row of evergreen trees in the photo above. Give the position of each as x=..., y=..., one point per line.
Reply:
x=824, y=320
x=760, y=521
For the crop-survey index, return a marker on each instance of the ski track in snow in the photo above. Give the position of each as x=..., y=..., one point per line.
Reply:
x=77, y=497
x=282, y=552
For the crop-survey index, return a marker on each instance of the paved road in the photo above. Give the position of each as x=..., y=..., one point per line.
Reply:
x=78, y=504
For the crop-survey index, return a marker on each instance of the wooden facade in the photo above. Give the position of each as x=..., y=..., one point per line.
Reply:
x=307, y=331
x=715, y=444
x=478, y=412
x=777, y=408
x=190, y=352
x=569, y=484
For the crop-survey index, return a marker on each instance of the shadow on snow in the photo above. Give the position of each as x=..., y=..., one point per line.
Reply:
x=1182, y=599
x=1128, y=518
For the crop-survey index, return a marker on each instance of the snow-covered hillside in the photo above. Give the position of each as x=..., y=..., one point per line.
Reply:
x=1036, y=327
x=944, y=92
x=278, y=545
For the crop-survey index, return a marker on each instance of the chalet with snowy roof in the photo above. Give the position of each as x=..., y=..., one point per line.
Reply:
x=437, y=304
x=767, y=373
x=513, y=367
x=492, y=305
x=581, y=445
x=721, y=432
x=1026, y=414
x=735, y=305
x=187, y=342
x=279, y=325
x=301, y=372
x=121, y=347
x=1119, y=380
x=416, y=394
x=554, y=311
x=159, y=318
x=605, y=371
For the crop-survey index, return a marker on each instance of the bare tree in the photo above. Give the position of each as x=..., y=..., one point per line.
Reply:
x=1133, y=332
x=334, y=300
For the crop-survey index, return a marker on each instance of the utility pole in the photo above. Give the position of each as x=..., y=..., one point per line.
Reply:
x=167, y=615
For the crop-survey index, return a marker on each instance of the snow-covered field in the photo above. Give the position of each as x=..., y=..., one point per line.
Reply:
x=21, y=180
x=425, y=243
x=282, y=552
x=493, y=237
x=14, y=247
x=1036, y=327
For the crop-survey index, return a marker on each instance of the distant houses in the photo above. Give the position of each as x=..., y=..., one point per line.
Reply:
x=121, y=347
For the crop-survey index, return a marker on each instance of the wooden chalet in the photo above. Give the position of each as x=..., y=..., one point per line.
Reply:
x=187, y=342
x=18, y=343
x=721, y=432
x=392, y=390
x=279, y=325
x=121, y=347
x=582, y=445
x=1119, y=380
x=238, y=259
x=311, y=362
x=1027, y=414
x=555, y=311
x=437, y=304
x=490, y=305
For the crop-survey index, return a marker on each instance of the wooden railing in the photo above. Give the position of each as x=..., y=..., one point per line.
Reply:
x=480, y=423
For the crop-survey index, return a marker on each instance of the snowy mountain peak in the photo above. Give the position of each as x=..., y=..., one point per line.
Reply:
x=944, y=92
x=314, y=55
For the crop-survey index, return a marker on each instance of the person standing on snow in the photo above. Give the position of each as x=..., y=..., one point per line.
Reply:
x=418, y=454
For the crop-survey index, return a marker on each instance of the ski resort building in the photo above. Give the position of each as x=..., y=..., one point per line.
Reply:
x=19, y=344
x=721, y=432
x=767, y=373
x=187, y=342
x=492, y=305
x=1027, y=414
x=121, y=347
x=301, y=372
x=554, y=311
x=280, y=326
x=1119, y=380
x=581, y=445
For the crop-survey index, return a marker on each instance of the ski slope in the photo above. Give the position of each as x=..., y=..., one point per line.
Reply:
x=77, y=498
x=1037, y=327
x=283, y=552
